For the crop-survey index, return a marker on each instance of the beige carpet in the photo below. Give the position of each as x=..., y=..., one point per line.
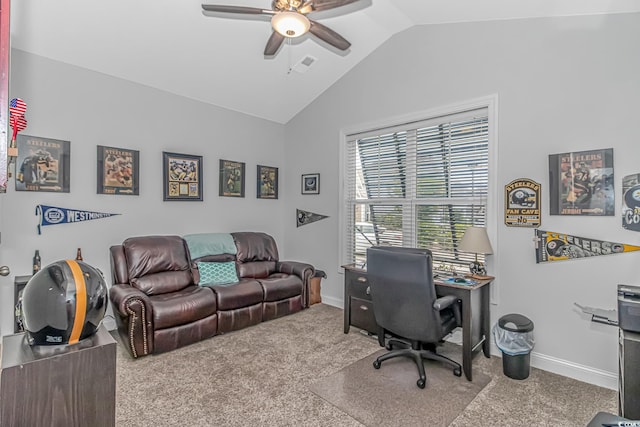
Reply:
x=390, y=396
x=263, y=376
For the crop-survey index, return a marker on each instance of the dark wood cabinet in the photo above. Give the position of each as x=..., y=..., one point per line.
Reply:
x=357, y=301
x=58, y=386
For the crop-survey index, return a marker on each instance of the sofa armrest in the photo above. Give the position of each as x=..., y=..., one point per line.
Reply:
x=304, y=271
x=135, y=313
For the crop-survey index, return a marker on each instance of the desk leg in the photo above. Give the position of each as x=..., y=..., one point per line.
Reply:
x=486, y=320
x=467, y=345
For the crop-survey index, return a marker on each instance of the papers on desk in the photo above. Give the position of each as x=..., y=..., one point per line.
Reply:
x=458, y=281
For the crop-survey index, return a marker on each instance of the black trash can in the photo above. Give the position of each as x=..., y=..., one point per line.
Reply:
x=514, y=337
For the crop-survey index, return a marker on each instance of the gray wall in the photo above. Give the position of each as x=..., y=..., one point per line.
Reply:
x=90, y=109
x=565, y=84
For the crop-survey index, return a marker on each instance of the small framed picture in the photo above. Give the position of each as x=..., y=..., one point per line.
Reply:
x=43, y=164
x=118, y=171
x=267, y=185
x=311, y=183
x=231, y=178
x=182, y=175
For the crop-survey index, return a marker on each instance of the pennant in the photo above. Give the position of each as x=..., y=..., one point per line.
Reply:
x=552, y=246
x=51, y=215
x=306, y=217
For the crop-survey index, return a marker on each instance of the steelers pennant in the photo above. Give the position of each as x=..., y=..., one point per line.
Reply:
x=552, y=246
x=306, y=217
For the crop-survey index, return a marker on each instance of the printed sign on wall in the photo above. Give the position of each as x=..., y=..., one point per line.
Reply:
x=552, y=246
x=522, y=203
x=631, y=202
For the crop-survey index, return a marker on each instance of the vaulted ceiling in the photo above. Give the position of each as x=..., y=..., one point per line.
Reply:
x=174, y=46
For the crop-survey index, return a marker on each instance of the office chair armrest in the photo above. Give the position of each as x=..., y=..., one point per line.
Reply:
x=449, y=301
x=444, y=302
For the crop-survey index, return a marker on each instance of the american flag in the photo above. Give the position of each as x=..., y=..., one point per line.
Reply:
x=20, y=124
x=17, y=107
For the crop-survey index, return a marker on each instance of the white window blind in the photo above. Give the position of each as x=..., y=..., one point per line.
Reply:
x=419, y=184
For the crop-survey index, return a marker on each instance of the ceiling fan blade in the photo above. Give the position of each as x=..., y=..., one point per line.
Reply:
x=237, y=9
x=318, y=5
x=328, y=35
x=273, y=44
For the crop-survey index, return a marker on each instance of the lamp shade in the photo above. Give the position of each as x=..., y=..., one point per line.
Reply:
x=290, y=24
x=476, y=240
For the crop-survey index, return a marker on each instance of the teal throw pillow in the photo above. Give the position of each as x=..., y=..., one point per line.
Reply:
x=217, y=273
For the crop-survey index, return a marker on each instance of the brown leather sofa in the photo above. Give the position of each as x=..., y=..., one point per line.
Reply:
x=159, y=307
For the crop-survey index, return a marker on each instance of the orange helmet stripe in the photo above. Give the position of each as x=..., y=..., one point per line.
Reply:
x=81, y=301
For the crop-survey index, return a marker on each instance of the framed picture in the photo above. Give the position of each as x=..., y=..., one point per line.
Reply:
x=311, y=183
x=182, y=174
x=581, y=183
x=118, y=171
x=267, y=185
x=42, y=164
x=231, y=178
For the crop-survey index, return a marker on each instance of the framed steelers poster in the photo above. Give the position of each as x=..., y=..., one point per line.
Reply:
x=522, y=203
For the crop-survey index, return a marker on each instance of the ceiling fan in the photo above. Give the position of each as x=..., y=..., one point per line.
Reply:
x=288, y=19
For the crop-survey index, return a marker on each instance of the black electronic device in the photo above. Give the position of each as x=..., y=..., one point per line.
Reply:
x=629, y=307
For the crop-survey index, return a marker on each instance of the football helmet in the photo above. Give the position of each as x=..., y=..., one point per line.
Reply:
x=63, y=303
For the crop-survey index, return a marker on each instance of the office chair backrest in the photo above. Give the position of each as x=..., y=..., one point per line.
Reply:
x=403, y=293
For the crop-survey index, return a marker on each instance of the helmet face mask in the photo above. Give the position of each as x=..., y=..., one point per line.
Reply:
x=63, y=303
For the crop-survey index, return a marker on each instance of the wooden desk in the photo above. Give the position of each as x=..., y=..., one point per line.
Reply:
x=476, y=318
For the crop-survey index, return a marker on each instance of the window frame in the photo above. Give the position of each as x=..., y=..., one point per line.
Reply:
x=490, y=103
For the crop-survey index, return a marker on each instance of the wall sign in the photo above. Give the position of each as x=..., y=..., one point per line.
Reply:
x=552, y=246
x=522, y=203
x=631, y=202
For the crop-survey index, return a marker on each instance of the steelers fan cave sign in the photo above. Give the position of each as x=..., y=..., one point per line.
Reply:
x=522, y=203
x=63, y=303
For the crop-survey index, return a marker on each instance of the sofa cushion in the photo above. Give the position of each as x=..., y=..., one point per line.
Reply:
x=148, y=255
x=162, y=283
x=254, y=246
x=238, y=295
x=256, y=269
x=217, y=273
x=281, y=286
x=184, y=306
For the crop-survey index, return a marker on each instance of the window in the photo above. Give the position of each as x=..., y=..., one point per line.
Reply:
x=419, y=184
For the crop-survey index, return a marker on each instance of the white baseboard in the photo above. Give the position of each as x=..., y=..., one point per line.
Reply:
x=569, y=369
x=335, y=302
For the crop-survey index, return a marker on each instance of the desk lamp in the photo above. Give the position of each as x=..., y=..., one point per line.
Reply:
x=476, y=240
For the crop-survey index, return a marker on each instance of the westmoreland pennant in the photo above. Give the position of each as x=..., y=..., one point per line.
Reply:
x=52, y=215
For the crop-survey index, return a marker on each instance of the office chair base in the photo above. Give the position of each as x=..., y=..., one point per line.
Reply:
x=414, y=352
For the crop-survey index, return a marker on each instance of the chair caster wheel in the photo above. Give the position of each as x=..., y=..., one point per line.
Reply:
x=389, y=346
x=376, y=364
x=457, y=372
x=421, y=383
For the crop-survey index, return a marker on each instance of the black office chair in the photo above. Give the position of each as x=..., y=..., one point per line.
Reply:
x=405, y=305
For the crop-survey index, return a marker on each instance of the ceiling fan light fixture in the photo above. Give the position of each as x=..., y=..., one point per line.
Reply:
x=290, y=24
